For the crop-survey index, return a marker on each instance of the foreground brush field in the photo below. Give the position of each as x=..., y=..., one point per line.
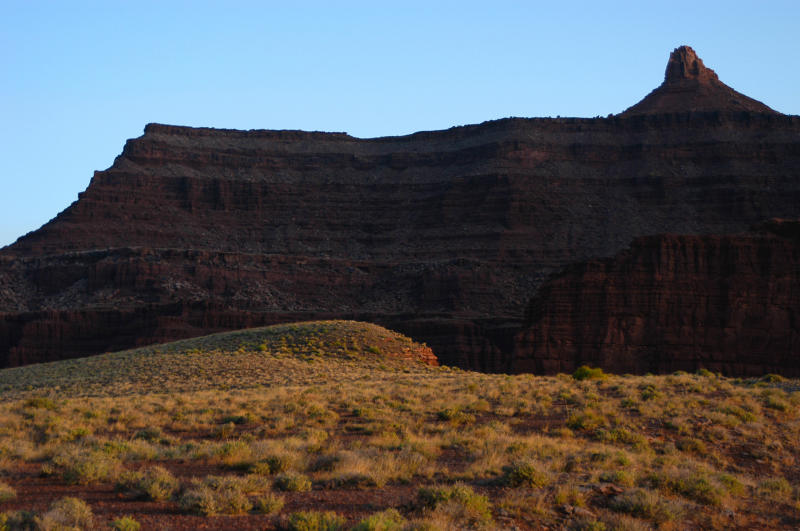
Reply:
x=339, y=425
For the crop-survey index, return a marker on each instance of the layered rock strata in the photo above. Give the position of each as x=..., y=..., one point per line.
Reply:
x=674, y=302
x=444, y=235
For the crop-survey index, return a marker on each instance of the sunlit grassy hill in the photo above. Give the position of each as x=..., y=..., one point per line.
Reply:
x=289, y=354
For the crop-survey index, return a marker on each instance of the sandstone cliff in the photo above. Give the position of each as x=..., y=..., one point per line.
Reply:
x=669, y=302
x=444, y=235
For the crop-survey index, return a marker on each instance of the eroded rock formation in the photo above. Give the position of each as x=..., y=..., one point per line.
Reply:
x=444, y=235
x=674, y=302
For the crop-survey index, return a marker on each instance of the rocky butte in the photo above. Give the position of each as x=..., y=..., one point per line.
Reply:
x=447, y=236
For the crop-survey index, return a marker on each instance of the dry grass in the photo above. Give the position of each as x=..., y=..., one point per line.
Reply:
x=617, y=452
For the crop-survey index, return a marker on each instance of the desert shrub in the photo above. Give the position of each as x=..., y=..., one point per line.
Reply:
x=732, y=484
x=586, y=421
x=325, y=463
x=84, y=466
x=772, y=378
x=66, y=513
x=740, y=413
x=217, y=495
x=692, y=444
x=315, y=521
x=623, y=436
x=150, y=434
x=153, y=483
x=247, y=418
x=273, y=464
x=649, y=392
x=268, y=503
x=455, y=415
x=459, y=501
x=584, y=372
x=7, y=492
x=775, y=488
x=587, y=523
x=618, y=477
x=388, y=520
x=776, y=403
x=645, y=504
x=695, y=486
x=126, y=523
x=524, y=474
x=41, y=402
x=18, y=521
x=293, y=483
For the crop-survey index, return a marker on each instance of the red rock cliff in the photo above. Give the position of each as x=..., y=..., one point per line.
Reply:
x=442, y=235
x=724, y=303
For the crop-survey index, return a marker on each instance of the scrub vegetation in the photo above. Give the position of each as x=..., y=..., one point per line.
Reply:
x=319, y=426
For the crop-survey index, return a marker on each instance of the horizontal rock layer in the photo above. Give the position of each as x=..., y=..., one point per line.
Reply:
x=724, y=303
x=442, y=235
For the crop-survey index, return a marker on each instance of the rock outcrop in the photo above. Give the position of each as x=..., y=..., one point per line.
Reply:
x=674, y=302
x=444, y=236
x=691, y=86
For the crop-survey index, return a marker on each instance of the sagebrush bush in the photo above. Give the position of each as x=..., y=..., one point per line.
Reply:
x=388, y=520
x=126, y=523
x=645, y=504
x=84, y=466
x=293, y=483
x=66, y=513
x=525, y=473
x=268, y=503
x=460, y=501
x=7, y=492
x=217, y=495
x=315, y=521
x=153, y=483
x=584, y=372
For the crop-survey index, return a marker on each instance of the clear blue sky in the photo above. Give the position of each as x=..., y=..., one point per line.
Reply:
x=79, y=78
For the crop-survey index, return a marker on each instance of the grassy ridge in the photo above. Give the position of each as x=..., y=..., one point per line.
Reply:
x=290, y=354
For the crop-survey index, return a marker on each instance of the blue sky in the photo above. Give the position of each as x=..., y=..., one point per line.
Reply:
x=79, y=78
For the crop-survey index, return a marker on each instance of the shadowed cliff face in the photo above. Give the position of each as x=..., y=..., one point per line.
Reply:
x=725, y=303
x=444, y=236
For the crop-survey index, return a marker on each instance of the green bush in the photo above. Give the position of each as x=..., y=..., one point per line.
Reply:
x=273, y=464
x=775, y=488
x=84, y=466
x=7, y=492
x=126, y=523
x=19, y=520
x=67, y=514
x=388, y=520
x=217, y=495
x=154, y=483
x=293, y=483
x=584, y=372
x=645, y=504
x=524, y=474
x=315, y=521
x=474, y=508
x=269, y=503
x=695, y=486
x=41, y=402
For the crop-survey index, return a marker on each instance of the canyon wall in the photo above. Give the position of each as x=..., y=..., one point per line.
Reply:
x=670, y=302
x=444, y=236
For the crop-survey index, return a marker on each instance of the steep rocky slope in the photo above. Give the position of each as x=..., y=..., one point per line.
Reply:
x=443, y=235
x=670, y=302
